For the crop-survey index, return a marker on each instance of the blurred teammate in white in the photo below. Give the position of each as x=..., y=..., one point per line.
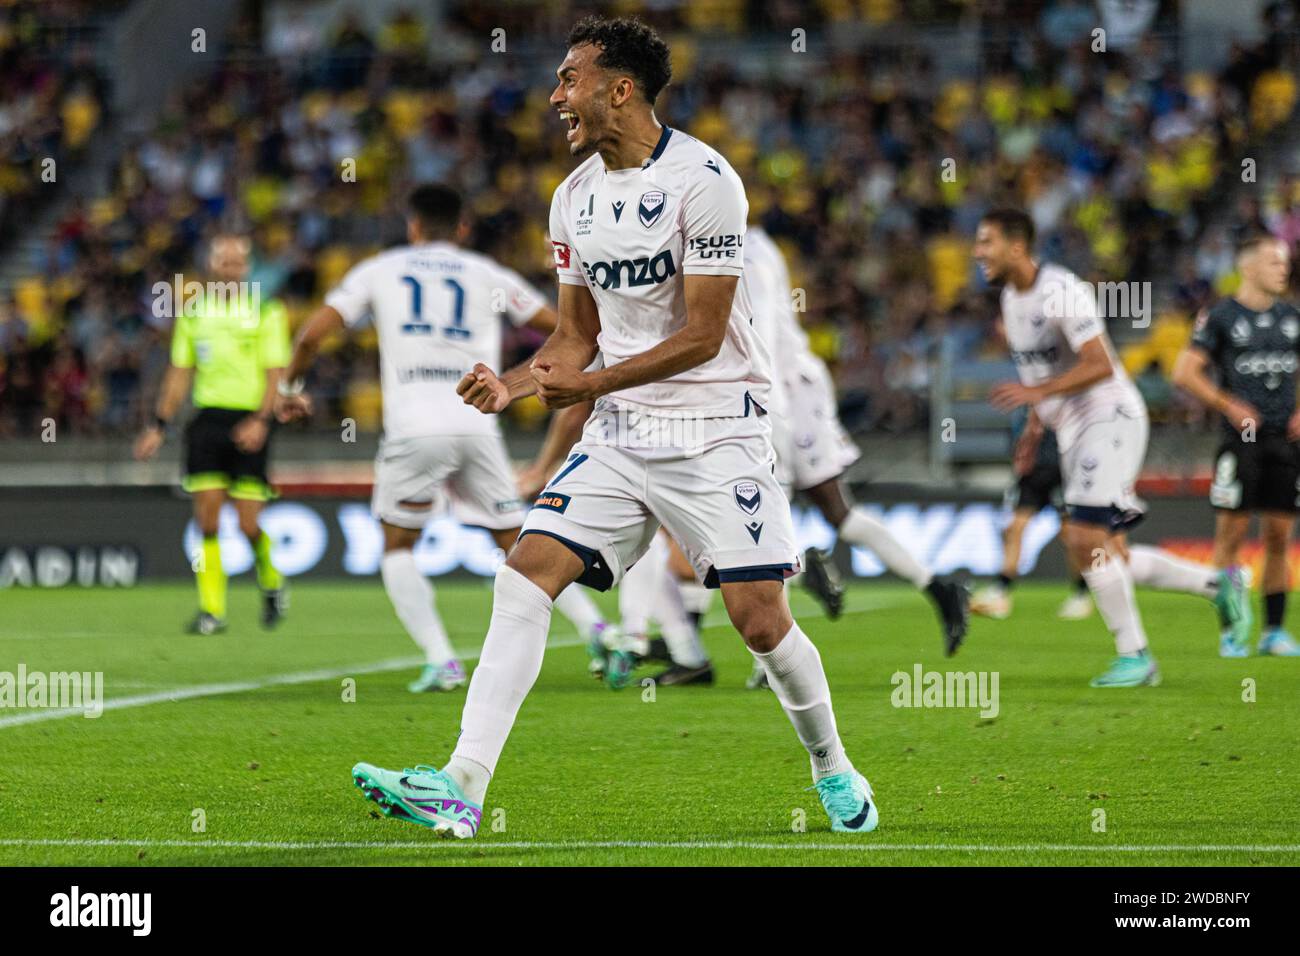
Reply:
x=437, y=309
x=813, y=448
x=1071, y=379
x=648, y=236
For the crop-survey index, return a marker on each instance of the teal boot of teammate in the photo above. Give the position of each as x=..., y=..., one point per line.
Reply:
x=1130, y=671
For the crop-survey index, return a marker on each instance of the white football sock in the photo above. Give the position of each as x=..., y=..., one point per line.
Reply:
x=1156, y=568
x=507, y=668
x=1112, y=591
x=577, y=605
x=683, y=640
x=412, y=597
x=696, y=597
x=637, y=590
x=865, y=531
x=794, y=669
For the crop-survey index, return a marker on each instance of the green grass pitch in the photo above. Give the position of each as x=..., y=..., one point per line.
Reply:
x=252, y=729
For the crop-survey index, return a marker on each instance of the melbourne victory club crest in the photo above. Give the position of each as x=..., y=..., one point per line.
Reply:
x=650, y=207
x=1290, y=327
x=748, y=498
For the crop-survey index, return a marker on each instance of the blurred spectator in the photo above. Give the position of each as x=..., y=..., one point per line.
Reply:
x=868, y=167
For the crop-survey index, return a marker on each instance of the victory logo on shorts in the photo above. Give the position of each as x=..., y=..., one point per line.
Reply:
x=748, y=497
x=650, y=207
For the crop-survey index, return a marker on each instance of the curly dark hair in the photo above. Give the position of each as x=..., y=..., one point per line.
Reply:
x=627, y=45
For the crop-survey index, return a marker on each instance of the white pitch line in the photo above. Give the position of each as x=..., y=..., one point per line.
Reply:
x=849, y=845
x=238, y=687
x=301, y=677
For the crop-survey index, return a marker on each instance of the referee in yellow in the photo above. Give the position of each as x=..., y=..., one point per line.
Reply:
x=233, y=348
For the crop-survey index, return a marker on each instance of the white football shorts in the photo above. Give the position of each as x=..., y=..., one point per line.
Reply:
x=471, y=474
x=708, y=481
x=820, y=448
x=1099, y=471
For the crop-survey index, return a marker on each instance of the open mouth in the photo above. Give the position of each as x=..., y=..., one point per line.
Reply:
x=571, y=118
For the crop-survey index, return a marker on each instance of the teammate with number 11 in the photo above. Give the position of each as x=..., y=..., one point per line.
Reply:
x=437, y=309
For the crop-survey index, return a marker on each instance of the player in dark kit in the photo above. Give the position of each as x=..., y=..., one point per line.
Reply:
x=1037, y=464
x=1252, y=340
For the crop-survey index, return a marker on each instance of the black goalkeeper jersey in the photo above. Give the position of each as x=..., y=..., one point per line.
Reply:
x=1256, y=355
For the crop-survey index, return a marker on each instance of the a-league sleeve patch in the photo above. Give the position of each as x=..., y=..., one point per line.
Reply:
x=561, y=254
x=552, y=500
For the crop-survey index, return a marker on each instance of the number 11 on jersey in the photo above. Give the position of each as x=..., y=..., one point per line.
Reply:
x=421, y=326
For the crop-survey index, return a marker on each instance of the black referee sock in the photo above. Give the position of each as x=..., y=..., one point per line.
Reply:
x=1005, y=580
x=1274, y=609
x=1081, y=585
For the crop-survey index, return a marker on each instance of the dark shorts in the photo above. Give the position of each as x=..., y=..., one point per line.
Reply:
x=1259, y=475
x=1037, y=489
x=213, y=461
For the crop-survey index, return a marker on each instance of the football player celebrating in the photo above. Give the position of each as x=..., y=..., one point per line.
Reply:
x=648, y=235
x=1252, y=340
x=1075, y=385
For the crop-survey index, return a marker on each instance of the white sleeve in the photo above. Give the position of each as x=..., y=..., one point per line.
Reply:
x=568, y=268
x=351, y=297
x=714, y=214
x=1079, y=320
x=520, y=300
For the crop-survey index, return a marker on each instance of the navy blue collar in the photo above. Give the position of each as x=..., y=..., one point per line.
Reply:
x=659, y=146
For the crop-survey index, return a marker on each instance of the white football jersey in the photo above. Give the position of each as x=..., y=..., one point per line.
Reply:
x=1046, y=325
x=630, y=235
x=767, y=284
x=437, y=309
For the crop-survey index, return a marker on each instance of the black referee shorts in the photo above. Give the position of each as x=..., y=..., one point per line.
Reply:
x=212, y=460
x=1037, y=488
x=1259, y=475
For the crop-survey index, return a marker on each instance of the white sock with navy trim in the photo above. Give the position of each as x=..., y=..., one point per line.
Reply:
x=794, y=671
x=507, y=669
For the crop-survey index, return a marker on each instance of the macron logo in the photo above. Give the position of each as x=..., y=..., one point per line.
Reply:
x=103, y=909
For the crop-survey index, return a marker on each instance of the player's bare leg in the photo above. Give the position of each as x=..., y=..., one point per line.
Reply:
x=758, y=610
x=415, y=603
x=1078, y=605
x=208, y=571
x=1276, y=528
x=995, y=600
x=269, y=580
x=1103, y=556
x=859, y=528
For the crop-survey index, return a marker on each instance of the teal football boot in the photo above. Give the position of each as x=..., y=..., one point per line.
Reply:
x=847, y=799
x=420, y=795
x=1276, y=642
x=1235, y=616
x=1134, y=671
x=436, y=677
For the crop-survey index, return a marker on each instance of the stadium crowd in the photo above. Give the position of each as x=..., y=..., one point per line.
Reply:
x=868, y=165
